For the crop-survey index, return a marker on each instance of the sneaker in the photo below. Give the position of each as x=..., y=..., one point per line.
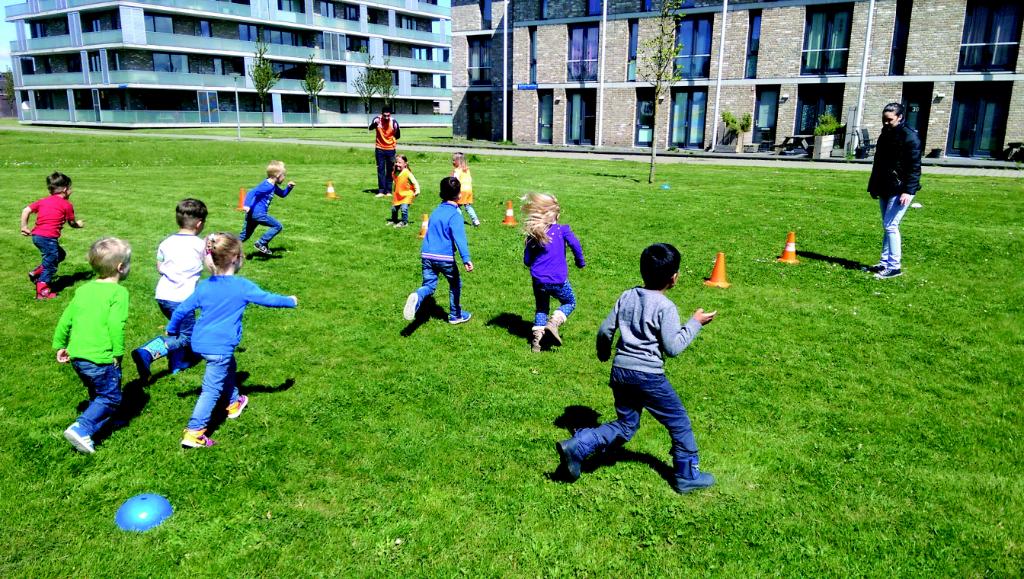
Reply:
x=476, y=223
x=873, y=268
x=33, y=276
x=703, y=480
x=144, y=355
x=412, y=303
x=401, y=224
x=263, y=249
x=196, y=439
x=235, y=409
x=81, y=442
x=45, y=293
x=461, y=319
x=389, y=223
x=889, y=273
x=381, y=195
x=568, y=464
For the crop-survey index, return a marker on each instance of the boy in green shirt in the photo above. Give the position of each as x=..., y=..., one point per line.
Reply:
x=90, y=335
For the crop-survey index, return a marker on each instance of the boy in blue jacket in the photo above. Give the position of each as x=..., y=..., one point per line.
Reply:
x=257, y=205
x=446, y=232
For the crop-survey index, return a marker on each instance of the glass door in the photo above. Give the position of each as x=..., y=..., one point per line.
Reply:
x=766, y=112
x=581, y=119
x=644, y=133
x=689, y=107
x=978, y=122
x=545, y=116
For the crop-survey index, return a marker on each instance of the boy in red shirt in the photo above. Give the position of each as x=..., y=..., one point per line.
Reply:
x=52, y=213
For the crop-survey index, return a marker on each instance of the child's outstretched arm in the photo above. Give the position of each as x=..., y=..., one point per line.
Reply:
x=284, y=192
x=24, y=221
x=577, y=249
x=675, y=338
x=256, y=295
x=606, y=333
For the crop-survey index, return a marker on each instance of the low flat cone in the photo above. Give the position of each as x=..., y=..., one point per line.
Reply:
x=241, y=198
x=717, y=278
x=789, y=253
x=423, y=228
x=510, y=215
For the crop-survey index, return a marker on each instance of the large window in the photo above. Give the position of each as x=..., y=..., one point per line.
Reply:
x=826, y=40
x=545, y=115
x=753, y=44
x=900, y=36
x=816, y=100
x=644, y=133
x=694, y=37
x=156, y=23
x=291, y=6
x=582, y=63
x=163, y=62
x=479, y=61
x=978, y=122
x=991, y=37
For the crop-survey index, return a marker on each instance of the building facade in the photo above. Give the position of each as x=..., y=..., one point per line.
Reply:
x=185, y=62
x=576, y=71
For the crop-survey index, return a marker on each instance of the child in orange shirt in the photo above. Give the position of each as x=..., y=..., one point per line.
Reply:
x=406, y=188
x=461, y=172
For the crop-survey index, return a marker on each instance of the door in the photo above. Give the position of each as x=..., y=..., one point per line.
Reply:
x=766, y=112
x=581, y=117
x=644, y=132
x=209, y=111
x=689, y=107
x=978, y=122
x=917, y=100
x=545, y=116
x=479, y=109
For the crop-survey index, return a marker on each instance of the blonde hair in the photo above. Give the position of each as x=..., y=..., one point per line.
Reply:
x=542, y=212
x=459, y=160
x=275, y=168
x=223, y=250
x=106, y=256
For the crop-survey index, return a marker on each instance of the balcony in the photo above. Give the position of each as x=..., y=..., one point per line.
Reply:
x=290, y=17
x=48, y=42
x=423, y=35
x=57, y=79
x=150, y=117
x=581, y=70
x=403, y=62
x=53, y=115
x=336, y=23
x=201, y=5
x=104, y=37
x=174, y=79
x=429, y=91
x=157, y=39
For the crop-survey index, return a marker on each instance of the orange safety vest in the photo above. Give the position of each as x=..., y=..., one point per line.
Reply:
x=404, y=192
x=386, y=135
x=466, y=181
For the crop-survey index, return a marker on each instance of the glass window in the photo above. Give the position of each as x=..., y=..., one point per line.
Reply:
x=689, y=107
x=163, y=62
x=479, y=61
x=594, y=7
x=900, y=34
x=644, y=117
x=583, y=46
x=765, y=116
x=647, y=5
x=545, y=115
x=545, y=9
x=326, y=9
x=156, y=23
x=694, y=38
x=634, y=33
x=204, y=29
x=485, y=13
x=247, y=32
x=753, y=43
x=351, y=12
x=533, y=54
x=336, y=74
x=291, y=6
x=580, y=117
x=826, y=40
x=356, y=44
x=816, y=100
x=991, y=36
x=95, y=63
x=74, y=63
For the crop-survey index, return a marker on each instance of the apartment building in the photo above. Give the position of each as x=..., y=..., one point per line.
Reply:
x=572, y=71
x=185, y=62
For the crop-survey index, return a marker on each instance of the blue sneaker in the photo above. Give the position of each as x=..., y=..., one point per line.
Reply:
x=693, y=479
x=81, y=442
x=143, y=356
x=461, y=319
x=568, y=464
x=412, y=303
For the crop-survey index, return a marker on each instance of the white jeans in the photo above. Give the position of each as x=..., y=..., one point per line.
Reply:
x=892, y=243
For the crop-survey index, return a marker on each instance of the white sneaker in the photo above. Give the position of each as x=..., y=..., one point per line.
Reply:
x=409, y=311
x=81, y=442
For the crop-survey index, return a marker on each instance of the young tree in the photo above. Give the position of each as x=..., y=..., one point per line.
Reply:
x=365, y=85
x=9, y=90
x=657, y=62
x=313, y=84
x=263, y=77
x=384, y=80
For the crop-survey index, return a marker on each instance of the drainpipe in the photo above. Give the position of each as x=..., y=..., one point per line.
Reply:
x=504, y=74
x=718, y=83
x=600, y=74
x=863, y=78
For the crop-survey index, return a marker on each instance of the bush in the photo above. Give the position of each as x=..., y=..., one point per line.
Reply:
x=827, y=125
x=735, y=125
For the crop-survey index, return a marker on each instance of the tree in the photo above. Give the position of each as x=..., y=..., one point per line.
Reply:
x=657, y=62
x=365, y=85
x=384, y=79
x=313, y=84
x=9, y=90
x=263, y=77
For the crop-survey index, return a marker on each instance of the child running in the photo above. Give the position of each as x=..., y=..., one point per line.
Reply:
x=90, y=335
x=257, y=205
x=648, y=324
x=222, y=298
x=406, y=189
x=52, y=212
x=179, y=259
x=445, y=233
x=461, y=172
x=545, y=256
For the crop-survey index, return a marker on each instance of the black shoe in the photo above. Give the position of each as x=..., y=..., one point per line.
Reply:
x=263, y=249
x=873, y=268
x=889, y=273
x=568, y=464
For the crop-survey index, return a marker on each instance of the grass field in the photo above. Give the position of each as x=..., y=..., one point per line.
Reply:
x=856, y=427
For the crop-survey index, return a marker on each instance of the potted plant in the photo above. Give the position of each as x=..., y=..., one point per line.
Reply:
x=824, y=135
x=737, y=130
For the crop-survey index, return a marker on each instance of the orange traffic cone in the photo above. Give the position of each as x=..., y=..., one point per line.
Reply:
x=510, y=215
x=241, y=198
x=718, y=273
x=423, y=228
x=330, y=190
x=789, y=253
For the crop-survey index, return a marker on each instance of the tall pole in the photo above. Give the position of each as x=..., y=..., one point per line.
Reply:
x=600, y=75
x=238, y=115
x=863, y=75
x=504, y=74
x=718, y=83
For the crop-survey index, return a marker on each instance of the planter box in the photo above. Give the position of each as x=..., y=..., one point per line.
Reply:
x=823, y=146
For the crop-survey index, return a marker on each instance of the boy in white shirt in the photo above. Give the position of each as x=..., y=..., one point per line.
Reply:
x=179, y=259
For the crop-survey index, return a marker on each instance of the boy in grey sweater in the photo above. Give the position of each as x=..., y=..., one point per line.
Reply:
x=648, y=324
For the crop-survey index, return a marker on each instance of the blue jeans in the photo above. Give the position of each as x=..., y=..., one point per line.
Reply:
x=52, y=254
x=404, y=207
x=252, y=222
x=218, y=379
x=634, y=391
x=472, y=212
x=385, y=166
x=450, y=271
x=179, y=355
x=892, y=243
x=542, y=294
x=104, y=384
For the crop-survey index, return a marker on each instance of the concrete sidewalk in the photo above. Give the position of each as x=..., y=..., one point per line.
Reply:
x=965, y=168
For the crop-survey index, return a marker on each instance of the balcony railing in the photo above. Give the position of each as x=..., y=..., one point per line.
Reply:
x=53, y=115
x=17, y=10
x=581, y=70
x=56, y=79
x=429, y=91
x=479, y=76
x=403, y=62
x=174, y=79
x=336, y=23
x=103, y=37
x=423, y=35
x=48, y=42
x=201, y=5
x=226, y=44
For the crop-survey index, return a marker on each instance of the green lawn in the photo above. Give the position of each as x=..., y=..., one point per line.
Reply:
x=855, y=427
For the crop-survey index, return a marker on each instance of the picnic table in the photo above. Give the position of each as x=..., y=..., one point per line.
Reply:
x=805, y=142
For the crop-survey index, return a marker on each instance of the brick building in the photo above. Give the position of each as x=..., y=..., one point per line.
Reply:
x=576, y=71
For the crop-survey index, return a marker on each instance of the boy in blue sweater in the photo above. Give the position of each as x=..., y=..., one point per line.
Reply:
x=649, y=329
x=446, y=232
x=257, y=205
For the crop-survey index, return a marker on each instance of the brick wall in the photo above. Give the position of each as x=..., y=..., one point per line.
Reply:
x=616, y=50
x=552, y=57
x=619, y=117
x=524, y=121
x=933, y=46
x=460, y=61
x=520, y=51
x=466, y=16
x=881, y=38
x=738, y=100
x=735, y=61
x=786, y=119
x=1015, y=119
x=460, y=118
x=876, y=96
x=938, y=118
x=782, y=39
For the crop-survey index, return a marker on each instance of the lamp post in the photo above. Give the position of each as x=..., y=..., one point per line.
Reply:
x=238, y=116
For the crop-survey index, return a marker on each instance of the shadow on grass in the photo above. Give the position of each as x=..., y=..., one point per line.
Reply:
x=514, y=324
x=619, y=177
x=840, y=261
x=133, y=400
x=278, y=254
x=575, y=418
x=220, y=410
x=65, y=281
x=428, y=310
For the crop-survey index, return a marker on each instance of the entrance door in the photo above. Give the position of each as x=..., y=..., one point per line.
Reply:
x=581, y=117
x=644, y=133
x=978, y=122
x=545, y=115
x=689, y=107
x=917, y=99
x=479, y=109
x=209, y=111
x=766, y=112
x=96, y=103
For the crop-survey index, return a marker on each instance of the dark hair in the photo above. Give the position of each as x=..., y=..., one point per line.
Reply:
x=658, y=263
x=57, y=181
x=450, y=188
x=386, y=110
x=894, y=108
x=189, y=212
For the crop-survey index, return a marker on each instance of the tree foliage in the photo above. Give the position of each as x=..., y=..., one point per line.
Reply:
x=9, y=90
x=657, y=62
x=383, y=78
x=364, y=84
x=313, y=84
x=263, y=77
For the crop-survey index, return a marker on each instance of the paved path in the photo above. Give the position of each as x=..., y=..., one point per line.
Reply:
x=638, y=157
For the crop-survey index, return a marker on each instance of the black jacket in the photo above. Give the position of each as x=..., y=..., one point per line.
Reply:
x=897, y=167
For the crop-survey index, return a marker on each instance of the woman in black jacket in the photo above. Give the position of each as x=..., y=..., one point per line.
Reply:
x=895, y=179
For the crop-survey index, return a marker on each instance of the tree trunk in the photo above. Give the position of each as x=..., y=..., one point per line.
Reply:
x=263, y=115
x=654, y=139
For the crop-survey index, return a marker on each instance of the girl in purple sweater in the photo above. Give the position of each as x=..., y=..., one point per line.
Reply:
x=545, y=256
